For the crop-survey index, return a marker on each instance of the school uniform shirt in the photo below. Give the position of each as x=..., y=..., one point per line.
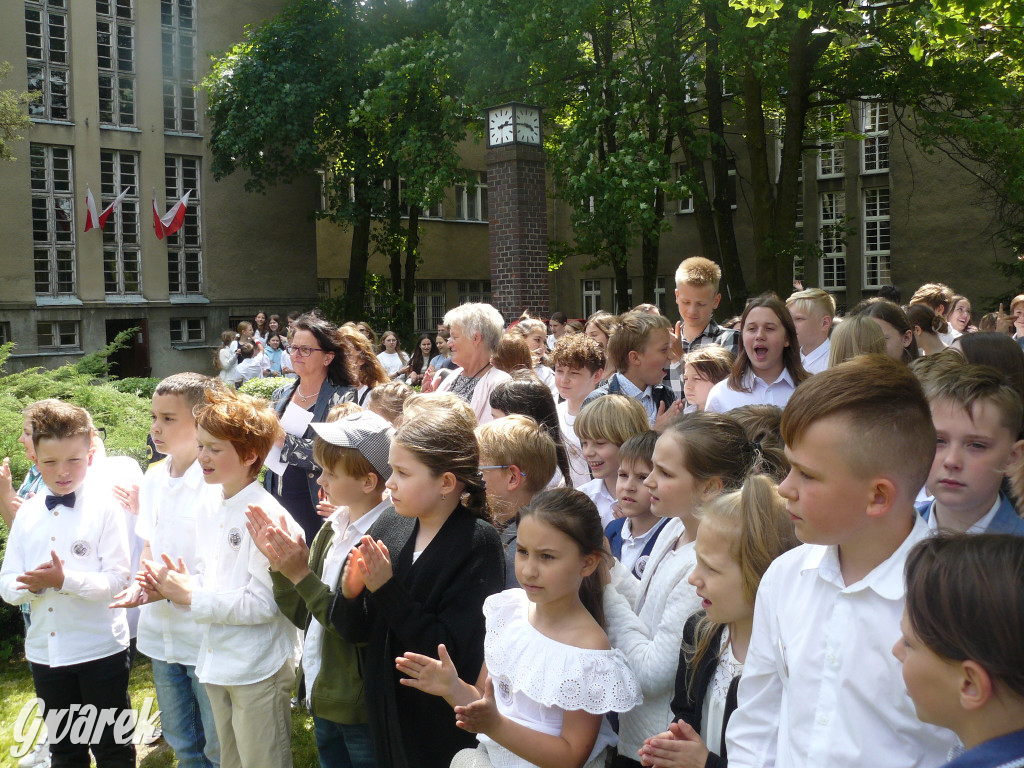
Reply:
x=820, y=685
x=598, y=493
x=632, y=551
x=250, y=368
x=816, y=360
x=722, y=398
x=245, y=638
x=1001, y=518
x=73, y=624
x=1005, y=751
x=579, y=470
x=169, y=508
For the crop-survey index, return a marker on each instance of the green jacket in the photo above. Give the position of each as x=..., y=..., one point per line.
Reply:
x=337, y=693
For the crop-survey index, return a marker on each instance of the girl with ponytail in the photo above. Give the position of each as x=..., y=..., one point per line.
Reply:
x=549, y=673
x=740, y=534
x=417, y=581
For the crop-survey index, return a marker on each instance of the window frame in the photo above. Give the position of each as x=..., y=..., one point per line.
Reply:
x=122, y=80
x=59, y=249
x=179, y=90
x=178, y=274
x=591, y=293
x=833, y=241
x=477, y=195
x=180, y=324
x=116, y=246
x=878, y=222
x=876, y=138
x=48, y=68
x=57, y=333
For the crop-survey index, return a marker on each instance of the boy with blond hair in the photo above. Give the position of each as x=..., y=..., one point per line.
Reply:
x=517, y=459
x=697, y=297
x=639, y=350
x=812, y=310
x=579, y=363
x=977, y=416
x=820, y=686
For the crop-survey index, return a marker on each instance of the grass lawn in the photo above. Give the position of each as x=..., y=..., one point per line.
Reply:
x=16, y=689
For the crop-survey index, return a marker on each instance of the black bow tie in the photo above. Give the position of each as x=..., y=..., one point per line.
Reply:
x=67, y=500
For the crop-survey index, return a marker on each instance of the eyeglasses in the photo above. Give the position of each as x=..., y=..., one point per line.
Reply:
x=304, y=351
x=502, y=466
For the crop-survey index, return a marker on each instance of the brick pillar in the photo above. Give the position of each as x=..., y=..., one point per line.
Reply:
x=518, y=230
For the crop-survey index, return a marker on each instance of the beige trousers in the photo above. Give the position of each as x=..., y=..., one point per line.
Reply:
x=254, y=721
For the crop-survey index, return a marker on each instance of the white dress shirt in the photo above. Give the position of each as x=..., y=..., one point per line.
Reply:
x=245, y=638
x=346, y=536
x=979, y=527
x=722, y=398
x=633, y=546
x=820, y=685
x=73, y=624
x=816, y=360
x=598, y=493
x=168, y=510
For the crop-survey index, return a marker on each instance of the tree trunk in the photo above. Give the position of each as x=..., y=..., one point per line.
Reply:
x=407, y=317
x=360, y=254
x=620, y=262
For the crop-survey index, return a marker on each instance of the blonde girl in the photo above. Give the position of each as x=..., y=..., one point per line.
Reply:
x=698, y=456
x=740, y=534
x=439, y=523
x=539, y=638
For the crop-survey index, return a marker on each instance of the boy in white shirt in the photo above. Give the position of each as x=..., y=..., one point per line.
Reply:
x=579, y=362
x=820, y=686
x=170, y=499
x=247, y=652
x=67, y=556
x=812, y=310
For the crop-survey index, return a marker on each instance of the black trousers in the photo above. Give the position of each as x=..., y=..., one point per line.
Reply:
x=101, y=683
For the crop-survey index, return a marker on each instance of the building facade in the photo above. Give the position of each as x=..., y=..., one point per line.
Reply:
x=881, y=212
x=118, y=111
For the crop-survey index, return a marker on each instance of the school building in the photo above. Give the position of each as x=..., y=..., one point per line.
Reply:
x=118, y=112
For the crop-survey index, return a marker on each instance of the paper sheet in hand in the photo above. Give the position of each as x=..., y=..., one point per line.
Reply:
x=295, y=421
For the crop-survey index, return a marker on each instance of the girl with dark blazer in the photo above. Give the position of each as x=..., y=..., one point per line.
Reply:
x=740, y=534
x=419, y=579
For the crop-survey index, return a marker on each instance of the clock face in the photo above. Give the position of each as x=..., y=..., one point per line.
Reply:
x=528, y=125
x=499, y=126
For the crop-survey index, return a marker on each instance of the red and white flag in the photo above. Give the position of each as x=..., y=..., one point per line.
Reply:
x=171, y=221
x=94, y=221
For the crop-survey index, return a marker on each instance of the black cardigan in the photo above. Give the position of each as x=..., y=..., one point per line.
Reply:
x=688, y=703
x=437, y=599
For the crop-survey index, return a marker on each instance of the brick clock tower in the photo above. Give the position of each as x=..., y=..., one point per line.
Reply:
x=518, y=211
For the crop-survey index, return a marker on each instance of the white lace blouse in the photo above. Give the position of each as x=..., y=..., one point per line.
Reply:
x=713, y=717
x=536, y=678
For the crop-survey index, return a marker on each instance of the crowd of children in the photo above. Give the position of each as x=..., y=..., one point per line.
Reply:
x=665, y=546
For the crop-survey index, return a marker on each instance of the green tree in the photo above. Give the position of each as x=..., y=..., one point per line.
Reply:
x=13, y=117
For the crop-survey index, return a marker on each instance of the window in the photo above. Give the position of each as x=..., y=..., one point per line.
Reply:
x=122, y=262
x=833, y=247
x=685, y=203
x=5, y=332
x=46, y=48
x=53, y=219
x=115, y=49
x=58, y=336
x=831, y=160
x=876, y=138
x=659, y=294
x=184, y=247
x=188, y=330
x=435, y=211
x=591, y=297
x=475, y=290
x=178, y=35
x=876, y=238
x=471, y=202
x=430, y=305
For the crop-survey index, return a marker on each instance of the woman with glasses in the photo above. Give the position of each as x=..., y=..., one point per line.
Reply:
x=329, y=363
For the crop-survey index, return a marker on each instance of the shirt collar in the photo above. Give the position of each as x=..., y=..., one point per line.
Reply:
x=627, y=532
x=632, y=390
x=885, y=580
x=818, y=352
x=979, y=527
x=750, y=380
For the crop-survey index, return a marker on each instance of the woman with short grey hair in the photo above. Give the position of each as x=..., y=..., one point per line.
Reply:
x=475, y=332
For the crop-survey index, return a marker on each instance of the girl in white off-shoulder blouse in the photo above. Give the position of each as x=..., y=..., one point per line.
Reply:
x=549, y=674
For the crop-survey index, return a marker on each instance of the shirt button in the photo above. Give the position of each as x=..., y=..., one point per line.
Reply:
x=312, y=475
x=53, y=634
x=56, y=514
x=53, y=538
x=831, y=658
x=822, y=720
x=50, y=610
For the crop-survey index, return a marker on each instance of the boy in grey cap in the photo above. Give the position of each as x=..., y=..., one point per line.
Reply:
x=353, y=453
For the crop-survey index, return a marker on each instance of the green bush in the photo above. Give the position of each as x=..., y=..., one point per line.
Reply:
x=264, y=388
x=141, y=387
x=123, y=417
